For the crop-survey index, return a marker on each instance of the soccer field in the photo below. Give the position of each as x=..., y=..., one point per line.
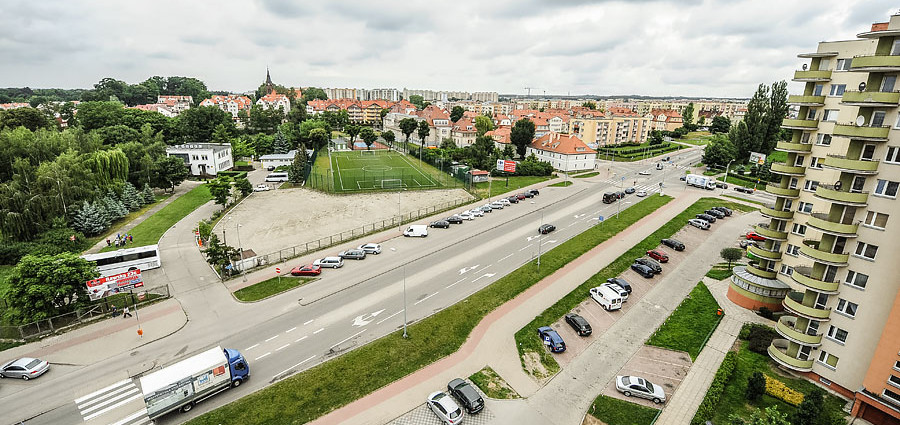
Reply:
x=378, y=170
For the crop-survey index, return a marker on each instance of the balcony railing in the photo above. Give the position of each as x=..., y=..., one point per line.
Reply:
x=859, y=132
x=788, y=170
x=765, y=230
x=823, y=223
x=824, y=257
x=794, y=302
x=778, y=352
x=847, y=165
x=764, y=253
x=812, y=76
x=840, y=196
x=800, y=124
x=787, y=327
x=784, y=192
x=793, y=147
x=759, y=272
x=870, y=98
x=875, y=63
x=770, y=212
x=803, y=276
x=802, y=100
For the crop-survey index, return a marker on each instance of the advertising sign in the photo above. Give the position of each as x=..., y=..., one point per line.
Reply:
x=508, y=166
x=105, y=286
x=757, y=158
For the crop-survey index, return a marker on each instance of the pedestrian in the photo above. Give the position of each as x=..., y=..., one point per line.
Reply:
x=108, y=243
x=114, y=312
x=117, y=243
x=130, y=238
x=126, y=313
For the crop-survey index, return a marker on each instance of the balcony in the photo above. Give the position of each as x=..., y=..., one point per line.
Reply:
x=758, y=272
x=800, y=124
x=869, y=134
x=835, y=194
x=803, y=276
x=778, y=352
x=855, y=166
x=766, y=211
x=787, y=327
x=793, y=302
x=801, y=100
x=870, y=99
x=815, y=76
x=764, y=253
x=787, y=170
x=878, y=63
x=793, y=147
x=766, y=232
x=830, y=258
x=824, y=224
x=784, y=192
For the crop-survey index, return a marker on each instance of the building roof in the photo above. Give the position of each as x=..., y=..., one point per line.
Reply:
x=565, y=144
x=284, y=156
x=500, y=134
x=215, y=147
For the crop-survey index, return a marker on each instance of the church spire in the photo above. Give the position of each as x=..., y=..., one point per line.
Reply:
x=269, y=86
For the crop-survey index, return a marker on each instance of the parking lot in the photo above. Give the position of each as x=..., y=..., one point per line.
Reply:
x=422, y=414
x=660, y=366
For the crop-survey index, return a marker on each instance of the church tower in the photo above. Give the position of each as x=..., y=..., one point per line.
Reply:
x=270, y=88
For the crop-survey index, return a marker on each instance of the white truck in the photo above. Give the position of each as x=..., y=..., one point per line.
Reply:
x=705, y=182
x=192, y=380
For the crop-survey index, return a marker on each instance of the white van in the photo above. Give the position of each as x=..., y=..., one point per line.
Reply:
x=333, y=262
x=416, y=230
x=623, y=294
x=606, y=297
x=277, y=177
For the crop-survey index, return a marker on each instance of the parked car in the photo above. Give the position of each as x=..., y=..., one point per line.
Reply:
x=698, y=223
x=620, y=195
x=551, y=339
x=640, y=387
x=715, y=213
x=724, y=210
x=454, y=219
x=755, y=236
x=333, y=262
x=534, y=192
x=658, y=255
x=371, y=248
x=642, y=270
x=445, y=408
x=416, y=230
x=641, y=193
x=262, y=187
x=466, y=395
x=579, y=324
x=307, y=270
x=441, y=224
x=743, y=189
x=546, y=228
x=503, y=201
x=353, y=254
x=513, y=199
x=497, y=205
x=527, y=194
x=520, y=196
x=745, y=243
x=465, y=215
x=487, y=208
x=708, y=218
x=645, y=173
x=683, y=178
x=620, y=291
x=673, y=243
x=477, y=212
x=721, y=185
x=621, y=282
x=25, y=368
x=656, y=267
x=606, y=297
x=630, y=190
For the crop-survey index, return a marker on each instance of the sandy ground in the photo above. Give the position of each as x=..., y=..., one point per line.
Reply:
x=284, y=218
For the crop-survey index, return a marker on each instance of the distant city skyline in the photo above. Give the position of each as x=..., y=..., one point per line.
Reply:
x=715, y=48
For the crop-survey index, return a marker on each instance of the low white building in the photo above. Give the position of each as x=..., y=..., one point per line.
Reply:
x=275, y=160
x=565, y=152
x=203, y=159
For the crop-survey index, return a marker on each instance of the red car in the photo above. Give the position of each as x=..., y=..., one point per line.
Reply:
x=520, y=196
x=307, y=270
x=755, y=236
x=658, y=255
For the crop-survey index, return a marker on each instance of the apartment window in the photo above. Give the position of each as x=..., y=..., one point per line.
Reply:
x=829, y=360
x=799, y=229
x=823, y=140
x=787, y=270
x=837, y=89
x=811, y=114
x=893, y=155
x=876, y=220
x=868, y=153
x=895, y=49
x=886, y=188
x=846, y=307
x=866, y=250
x=804, y=138
x=887, y=83
x=891, y=396
x=792, y=250
x=816, y=163
x=895, y=381
x=793, y=183
x=837, y=334
x=857, y=280
x=798, y=161
x=805, y=207
x=824, y=64
x=830, y=115
x=810, y=185
x=843, y=65
x=897, y=365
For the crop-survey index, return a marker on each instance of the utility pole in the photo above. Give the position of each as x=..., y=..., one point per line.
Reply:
x=405, y=335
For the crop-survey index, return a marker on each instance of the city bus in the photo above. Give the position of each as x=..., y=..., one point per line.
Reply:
x=114, y=262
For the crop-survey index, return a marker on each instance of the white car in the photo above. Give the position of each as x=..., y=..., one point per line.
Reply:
x=445, y=408
x=476, y=212
x=261, y=188
x=371, y=248
x=465, y=215
x=487, y=208
x=640, y=387
x=641, y=193
x=504, y=201
x=698, y=223
x=645, y=173
x=497, y=205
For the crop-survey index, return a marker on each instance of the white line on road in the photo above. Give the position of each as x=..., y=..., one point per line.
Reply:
x=525, y=247
x=121, y=403
x=263, y=355
x=251, y=347
x=308, y=322
x=301, y=338
x=132, y=390
x=100, y=391
x=320, y=330
x=131, y=417
x=510, y=255
x=283, y=347
x=290, y=330
x=448, y=286
x=298, y=364
x=482, y=269
x=548, y=242
x=386, y=318
x=347, y=339
x=276, y=336
x=423, y=299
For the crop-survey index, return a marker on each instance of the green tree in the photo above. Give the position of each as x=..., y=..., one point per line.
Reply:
x=388, y=137
x=687, y=116
x=90, y=219
x=220, y=188
x=811, y=410
x=368, y=136
x=720, y=124
x=296, y=172
x=94, y=115
x=218, y=254
x=718, y=152
x=483, y=124
x=312, y=93
x=281, y=144
x=42, y=286
x=407, y=127
x=656, y=137
x=756, y=383
x=590, y=105
x=508, y=152
x=264, y=120
x=777, y=111
x=456, y=113
x=169, y=172
x=423, y=130
x=731, y=255
x=131, y=197
x=147, y=195
x=318, y=138
x=29, y=118
x=448, y=144
x=417, y=100
x=197, y=125
x=481, y=153
x=241, y=148
x=243, y=186
x=352, y=131
x=521, y=135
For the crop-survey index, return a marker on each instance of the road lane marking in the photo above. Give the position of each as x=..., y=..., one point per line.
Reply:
x=251, y=347
x=130, y=391
x=292, y=367
x=448, y=287
x=105, y=398
x=101, y=391
x=131, y=417
x=347, y=339
x=276, y=336
x=308, y=322
x=484, y=275
x=290, y=330
x=283, y=347
x=482, y=269
x=320, y=330
x=262, y=356
x=121, y=403
x=510, y=255
x=423, y=299
x=301, y=338
x=525, y=247
x=386, y=318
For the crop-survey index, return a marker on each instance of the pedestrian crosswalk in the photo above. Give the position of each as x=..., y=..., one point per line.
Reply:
x=649, y=187
x=107, y=399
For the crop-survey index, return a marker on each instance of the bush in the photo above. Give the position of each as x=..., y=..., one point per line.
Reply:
x=708, y=406
x=756, y=386
x=760, y=338
x=766, y=313
x=777, y=389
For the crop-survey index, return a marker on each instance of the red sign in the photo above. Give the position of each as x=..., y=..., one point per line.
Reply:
x=508, y=166
x=105, y=286
x=277, y=270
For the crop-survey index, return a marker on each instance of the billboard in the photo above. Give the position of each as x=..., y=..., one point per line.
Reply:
x=106, y=286
x=757, y=158
x=505, y=165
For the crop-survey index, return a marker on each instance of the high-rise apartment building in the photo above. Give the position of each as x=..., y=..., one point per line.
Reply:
x=831, y=257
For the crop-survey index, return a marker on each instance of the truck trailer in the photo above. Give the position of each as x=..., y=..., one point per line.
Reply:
x=192, y=380
x=705, y=182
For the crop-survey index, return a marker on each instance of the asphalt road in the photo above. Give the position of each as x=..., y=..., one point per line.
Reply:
x=346, y=308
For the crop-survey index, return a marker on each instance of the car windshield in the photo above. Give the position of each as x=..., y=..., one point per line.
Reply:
x=456, y=413
x=32, y=364
x=649, y=386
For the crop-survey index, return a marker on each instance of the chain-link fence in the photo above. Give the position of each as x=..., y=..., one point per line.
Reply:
x=97, y=310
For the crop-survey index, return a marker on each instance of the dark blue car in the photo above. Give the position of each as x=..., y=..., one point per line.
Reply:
x=552, y=339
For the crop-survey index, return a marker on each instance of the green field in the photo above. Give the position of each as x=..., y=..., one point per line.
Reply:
x=359, y=171
x=270, y=287
x=690, y=325
x=613, y=411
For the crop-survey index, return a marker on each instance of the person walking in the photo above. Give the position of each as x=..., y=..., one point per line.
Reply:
x=108, y=243
x=126, y=312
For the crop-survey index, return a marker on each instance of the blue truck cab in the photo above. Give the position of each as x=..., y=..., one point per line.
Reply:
x=240, y=369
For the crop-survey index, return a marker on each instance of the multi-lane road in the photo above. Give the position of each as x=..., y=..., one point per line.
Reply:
x=346, y=308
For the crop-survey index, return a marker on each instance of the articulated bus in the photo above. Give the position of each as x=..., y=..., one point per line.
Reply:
x=114, y=262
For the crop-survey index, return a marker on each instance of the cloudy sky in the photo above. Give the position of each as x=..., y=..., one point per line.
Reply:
x=677, y=47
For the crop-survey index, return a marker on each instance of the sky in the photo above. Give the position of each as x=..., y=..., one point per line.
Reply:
x=711, y=48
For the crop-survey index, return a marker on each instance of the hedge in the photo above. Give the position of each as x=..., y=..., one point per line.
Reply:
x=709, y=404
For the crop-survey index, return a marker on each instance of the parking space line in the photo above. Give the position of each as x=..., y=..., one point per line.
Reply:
x=386, y=318
x=661, y=361
x=423, y=299
x=644, y=372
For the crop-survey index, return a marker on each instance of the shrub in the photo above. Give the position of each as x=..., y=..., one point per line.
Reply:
x=766, y=313
x=760, y=338
x=708, y=406
x=777, y=389
x=756, y=386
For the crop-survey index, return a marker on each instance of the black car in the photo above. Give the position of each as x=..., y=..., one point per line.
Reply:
x=721, y=185
x=579, y=324
x=715, y=213
x=649, y=262
x=528, y=194
x=621, y=282
x=673, y=243
x=706, y=217
x=534, y=192
x=642, y=270
x=629, y=191
x=546, y=228
x=620, y=195
x=684, y=178
x=454, y=219
x=467, y=396
x=723, y=210
x=443, y=224
x=743, y=189
x=513, y=199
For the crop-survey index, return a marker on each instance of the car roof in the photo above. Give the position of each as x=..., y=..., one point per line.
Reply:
x=21, y=362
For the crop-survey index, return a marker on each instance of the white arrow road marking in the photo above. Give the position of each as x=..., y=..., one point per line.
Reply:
x=468, y=269
x=365, y=319
x=484, y=275
x=532, y=237
x=579, y=215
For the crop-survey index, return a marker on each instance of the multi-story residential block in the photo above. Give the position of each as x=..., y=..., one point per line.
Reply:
x=564, y=151
x=613, y=127
x=203, y=159
x=233, y=104
x=665, y=119
x=334, y=94
x=177, y=104
x=830, y=255
x=156, y=107
x=275, y=101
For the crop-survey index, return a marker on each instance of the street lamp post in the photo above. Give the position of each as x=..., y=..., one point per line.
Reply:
x=405, y=335
x=61, y=199
x=539, y=243
x=726, y=173
x=399, y=214
x=241, y=247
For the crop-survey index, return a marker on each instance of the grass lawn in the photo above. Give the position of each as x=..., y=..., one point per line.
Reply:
x=586, y=175
x=688, y=327
x=498, y=186
x=115, y=228
x=565, y=183
x=359, y=171
x=745, y=200
x=310, y=394
x=697, y=138
x=493, y=385
x=150, y=230
x=734, y=401
x=526, y=338
x=721, y=271
x=760, y=186
x=267, y=288
x=613, y=411
x=713, y=172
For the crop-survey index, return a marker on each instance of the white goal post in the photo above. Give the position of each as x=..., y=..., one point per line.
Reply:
x=391, y=183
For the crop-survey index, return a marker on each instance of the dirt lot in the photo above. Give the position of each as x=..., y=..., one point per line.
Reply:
x=287, y=217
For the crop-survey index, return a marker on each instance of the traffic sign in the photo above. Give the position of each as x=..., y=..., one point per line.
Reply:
x=277, y=270
x=600, y=218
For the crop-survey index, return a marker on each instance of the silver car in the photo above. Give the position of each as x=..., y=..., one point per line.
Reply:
x=640, y=387
x=371, y=248
x=698, y=223
x=445, y=408
x=25, y=368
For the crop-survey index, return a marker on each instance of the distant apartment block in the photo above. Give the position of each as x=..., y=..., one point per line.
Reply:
x=564, y=151
x=233, y=104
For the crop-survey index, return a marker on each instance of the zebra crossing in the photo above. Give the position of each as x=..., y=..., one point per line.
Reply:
x=649, y=187
x=107, y=399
